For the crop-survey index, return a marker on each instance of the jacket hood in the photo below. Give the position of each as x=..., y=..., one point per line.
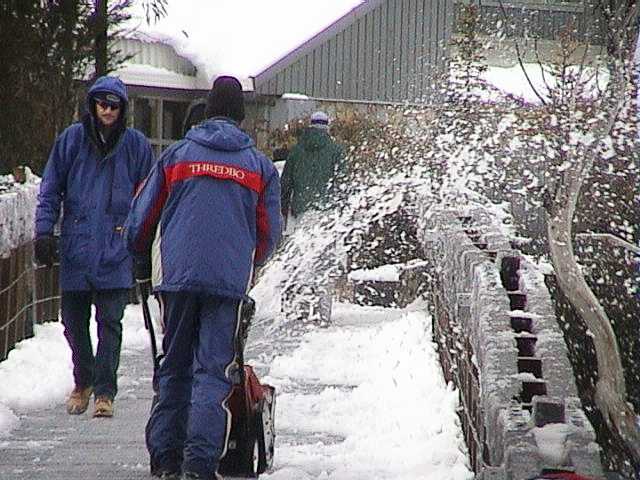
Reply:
x=108, y=84
x=314, y=138
x=115, y=86
x=220, y=134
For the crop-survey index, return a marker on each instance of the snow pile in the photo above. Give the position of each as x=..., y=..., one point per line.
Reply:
x=376, y=404
x=551, y=442
x=17, y=211
x=385, y=273
x=513, y=81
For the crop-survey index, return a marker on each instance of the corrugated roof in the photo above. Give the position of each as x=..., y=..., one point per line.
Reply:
x=343, y=22
x=156, y=64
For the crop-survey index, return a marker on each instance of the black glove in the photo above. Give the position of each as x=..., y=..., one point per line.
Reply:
x=142, y=273
x=45, y=250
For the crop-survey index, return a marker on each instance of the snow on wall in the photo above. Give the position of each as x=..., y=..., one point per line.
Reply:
x=491, y=297
x=17, y=211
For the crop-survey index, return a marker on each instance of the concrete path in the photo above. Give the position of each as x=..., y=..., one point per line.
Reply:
x=51, y=445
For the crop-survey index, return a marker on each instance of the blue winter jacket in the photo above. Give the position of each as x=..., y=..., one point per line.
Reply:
x=94, y=182
x=211, y=206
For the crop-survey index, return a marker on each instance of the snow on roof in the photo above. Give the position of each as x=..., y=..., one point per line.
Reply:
x=146, y=75
x=182, y=49
x=159, y=60
x=237, y=38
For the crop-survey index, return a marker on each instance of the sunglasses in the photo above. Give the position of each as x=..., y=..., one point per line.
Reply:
x=106, y=105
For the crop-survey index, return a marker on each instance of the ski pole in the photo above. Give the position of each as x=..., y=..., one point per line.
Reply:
x=148, y=324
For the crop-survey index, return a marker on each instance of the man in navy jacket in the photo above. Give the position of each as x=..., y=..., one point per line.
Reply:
x=211, y=209
x=93, y=171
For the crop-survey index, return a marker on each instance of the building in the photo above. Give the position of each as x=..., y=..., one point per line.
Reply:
x=393, y=50
x=382, y=52
x=162, y=86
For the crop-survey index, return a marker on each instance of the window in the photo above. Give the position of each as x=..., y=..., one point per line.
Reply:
x=159, y=119
x=173, y=114
x=145, y=116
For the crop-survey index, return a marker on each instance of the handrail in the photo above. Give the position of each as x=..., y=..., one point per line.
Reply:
x=30, y=295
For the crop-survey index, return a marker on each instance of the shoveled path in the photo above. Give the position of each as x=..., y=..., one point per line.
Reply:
x=50, y=444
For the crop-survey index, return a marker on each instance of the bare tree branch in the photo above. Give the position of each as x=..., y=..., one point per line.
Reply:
x=543, y=72
x=611, y=239
x=154, y=9
x=519, y=55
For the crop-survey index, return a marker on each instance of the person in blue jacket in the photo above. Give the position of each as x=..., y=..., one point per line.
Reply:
x=92, y=173
x=210, y=212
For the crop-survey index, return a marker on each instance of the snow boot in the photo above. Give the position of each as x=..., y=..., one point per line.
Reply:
x=103, y=407
x=78, y=401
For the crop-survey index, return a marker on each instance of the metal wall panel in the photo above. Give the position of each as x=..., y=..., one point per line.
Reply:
x=383, y=50
x=420, y=62
x=397, y=51
x=368, y=57
x=353, y=61
x=361, y=67
x=542, y=20
x=375, y=52
x=339, y=65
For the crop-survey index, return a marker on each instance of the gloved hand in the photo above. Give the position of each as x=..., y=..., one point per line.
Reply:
x=45, y=250
x=142, y=274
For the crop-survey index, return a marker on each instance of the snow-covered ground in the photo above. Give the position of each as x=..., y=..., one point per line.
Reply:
x=363, y=398
x=38, y=370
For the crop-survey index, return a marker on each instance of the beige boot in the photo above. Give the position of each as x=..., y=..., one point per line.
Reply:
x=103, y=407
x=78, y=401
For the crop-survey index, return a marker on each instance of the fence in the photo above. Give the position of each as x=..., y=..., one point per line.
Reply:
x=28, y=295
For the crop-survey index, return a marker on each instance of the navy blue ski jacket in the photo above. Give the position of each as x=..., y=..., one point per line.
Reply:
x=94, y=184
x=211, y=207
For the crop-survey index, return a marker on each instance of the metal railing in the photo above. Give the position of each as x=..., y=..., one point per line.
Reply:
x=29, y=295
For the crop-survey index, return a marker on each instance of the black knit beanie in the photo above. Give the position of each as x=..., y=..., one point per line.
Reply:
x=225, y=99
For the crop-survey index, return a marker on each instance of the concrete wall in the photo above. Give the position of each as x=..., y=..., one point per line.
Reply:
x=500, y=344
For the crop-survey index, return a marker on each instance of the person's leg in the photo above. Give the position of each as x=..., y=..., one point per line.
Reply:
x=215, y=360
x=75, y=312
x=167, y=425
x=110, y=305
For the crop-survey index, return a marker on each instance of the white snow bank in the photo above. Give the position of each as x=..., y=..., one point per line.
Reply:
x=17, y=211
x=385, y=273
x=513, y=81
x=382, y=411
x=8, y=421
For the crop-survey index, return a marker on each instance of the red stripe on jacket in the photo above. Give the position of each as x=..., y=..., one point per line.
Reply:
x=184, y=170
x=151, y=221
x=262, y=228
